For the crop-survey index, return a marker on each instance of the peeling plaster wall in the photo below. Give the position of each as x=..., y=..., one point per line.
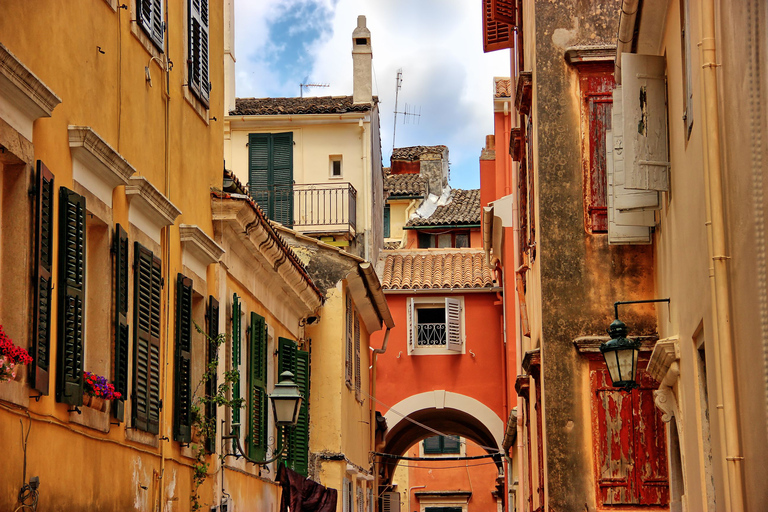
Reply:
x=581, y=276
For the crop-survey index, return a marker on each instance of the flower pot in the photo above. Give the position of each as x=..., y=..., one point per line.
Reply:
x=95, y=402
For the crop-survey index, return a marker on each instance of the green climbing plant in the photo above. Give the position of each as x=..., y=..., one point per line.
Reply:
x=203, y=426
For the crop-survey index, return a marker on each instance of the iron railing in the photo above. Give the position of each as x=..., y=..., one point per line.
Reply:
x=325, y=206
x=431, y=334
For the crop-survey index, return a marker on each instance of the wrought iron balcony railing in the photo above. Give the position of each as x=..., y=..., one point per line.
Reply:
x=325, y=207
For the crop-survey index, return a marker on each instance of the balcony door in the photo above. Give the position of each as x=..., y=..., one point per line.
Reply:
x=270, y=174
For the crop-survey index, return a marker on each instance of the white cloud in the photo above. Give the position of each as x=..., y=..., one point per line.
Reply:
x=437, y=43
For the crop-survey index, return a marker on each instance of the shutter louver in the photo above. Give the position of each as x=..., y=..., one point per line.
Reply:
x=357, y=359
x=41, y=311
x=411, y=324
x=644, y=94
x=71, y=310
x=453, y=324
x=504, y=11
x=236, y=321
x=299, y=435
x=182, y=420
x=496, y=35
x=146, y=339
x=257, y=392
x=121, y=320
x=258, y=169
x=150, y=19
x=286, y=362
x=198, y=49
x=349, y=312
x=282, y=178
x=432, y=445
x=211, y=385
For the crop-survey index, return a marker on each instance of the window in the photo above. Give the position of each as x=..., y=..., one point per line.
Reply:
x=257, y=388
x=347, y=496
x=197, y=50
x=335, y=166
x=296, y=361
x=685, y=40
x=150, y=18
x=630, y=442
x=441, y=445
x=270, y=174
x=71, y=287
x=596, y=83
x=435, y=325
x=147, y=285
x=443, y=240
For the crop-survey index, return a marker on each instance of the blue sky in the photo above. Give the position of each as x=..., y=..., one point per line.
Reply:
x=438, y=44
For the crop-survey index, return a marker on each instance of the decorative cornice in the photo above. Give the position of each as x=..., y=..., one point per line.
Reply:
x=148, y=199
x=199, y=244
x=589, y=54
x=522, y=385
x=666, y=352
x=591, y=344
x=532, y=359
x=111, y=167
x=38, y=100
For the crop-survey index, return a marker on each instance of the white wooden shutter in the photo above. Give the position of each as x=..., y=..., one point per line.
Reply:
x=453, y=324
x=620, y=227
x=411, y=324
x=345, y=496
x=645, y=122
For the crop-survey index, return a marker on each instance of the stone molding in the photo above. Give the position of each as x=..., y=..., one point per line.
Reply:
x=199, y=244
x=588, y=54
x=101, y=158
x=16, y=80
x=151, y=201
x=664, y=354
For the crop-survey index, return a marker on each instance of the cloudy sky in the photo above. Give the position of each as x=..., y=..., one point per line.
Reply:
x=280, y=44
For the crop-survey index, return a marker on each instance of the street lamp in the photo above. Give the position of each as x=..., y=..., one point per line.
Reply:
x=621, y=353
x=286, y=403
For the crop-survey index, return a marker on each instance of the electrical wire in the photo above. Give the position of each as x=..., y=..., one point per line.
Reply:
x=446, y=467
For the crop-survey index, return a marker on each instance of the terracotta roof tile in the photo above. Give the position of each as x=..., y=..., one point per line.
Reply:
x=464, y=208
x=295, y=106
x=405, y=185
x=425, y=269
x=503, y=88
x=412, y=153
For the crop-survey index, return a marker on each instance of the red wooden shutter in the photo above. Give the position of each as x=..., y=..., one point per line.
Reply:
x=496, y=35
x=651, y=446
x=41, y=309
x=71, y=307
x=120, y=252
x=503, y=11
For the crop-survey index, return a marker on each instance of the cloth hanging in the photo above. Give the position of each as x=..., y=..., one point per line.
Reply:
x=304, y=495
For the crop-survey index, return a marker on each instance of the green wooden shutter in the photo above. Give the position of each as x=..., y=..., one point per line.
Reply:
x=386, y=220
x=432, y=445
x=146, y=339
x=258, y=169
x=286, y=362
x=120, y=251
x=211, y=385
x=357, y=359
x=182, y=396
x=71, y=311
x=198, y=49
x=150, y=18
x=451, y=444
x=282, y=178
x=236, y=312
x=299, y=436
x=349, y=314
x=41, y=310
x=257, y=389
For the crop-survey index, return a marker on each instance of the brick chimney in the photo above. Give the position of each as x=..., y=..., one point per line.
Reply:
x=362, y=54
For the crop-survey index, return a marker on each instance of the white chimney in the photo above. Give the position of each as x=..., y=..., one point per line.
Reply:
x=362, y=54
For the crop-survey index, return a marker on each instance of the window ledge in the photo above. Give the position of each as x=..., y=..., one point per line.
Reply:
x=102, y=168
x=152, y=203
x=15, y=392
x=141, y=437
x=92, y=418
x=199, y=244
x=197, y=105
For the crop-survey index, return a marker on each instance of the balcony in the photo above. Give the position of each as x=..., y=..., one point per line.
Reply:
x=325, y=208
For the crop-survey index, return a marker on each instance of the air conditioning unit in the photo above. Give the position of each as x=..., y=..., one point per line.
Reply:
x=390, y=502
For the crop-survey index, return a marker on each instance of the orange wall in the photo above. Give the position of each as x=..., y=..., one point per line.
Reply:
x=400, y=375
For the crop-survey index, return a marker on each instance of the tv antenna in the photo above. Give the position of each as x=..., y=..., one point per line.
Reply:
x=307, y=86
x=408, y=113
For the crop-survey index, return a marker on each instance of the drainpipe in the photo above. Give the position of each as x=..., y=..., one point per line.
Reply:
x=409, y=494
x=626, y=33
x=734, y=460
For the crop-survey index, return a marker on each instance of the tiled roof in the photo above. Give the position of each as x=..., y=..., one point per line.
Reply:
x=414, y=152
x=435, y=269
x=405, y=185
x=503, y=88
x=464, y=208
x=288, y=106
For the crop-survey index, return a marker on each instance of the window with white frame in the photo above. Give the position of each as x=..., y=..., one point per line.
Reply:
x=435, y=325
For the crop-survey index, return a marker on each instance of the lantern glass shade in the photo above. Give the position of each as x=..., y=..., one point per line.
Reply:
x=286, y=400
x=621, y=356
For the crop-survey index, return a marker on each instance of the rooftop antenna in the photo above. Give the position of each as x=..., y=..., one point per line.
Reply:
x=409, y=111
x=307, y=86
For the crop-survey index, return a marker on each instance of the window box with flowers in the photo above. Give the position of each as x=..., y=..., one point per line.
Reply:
x=11, y=358
x=98, y=391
